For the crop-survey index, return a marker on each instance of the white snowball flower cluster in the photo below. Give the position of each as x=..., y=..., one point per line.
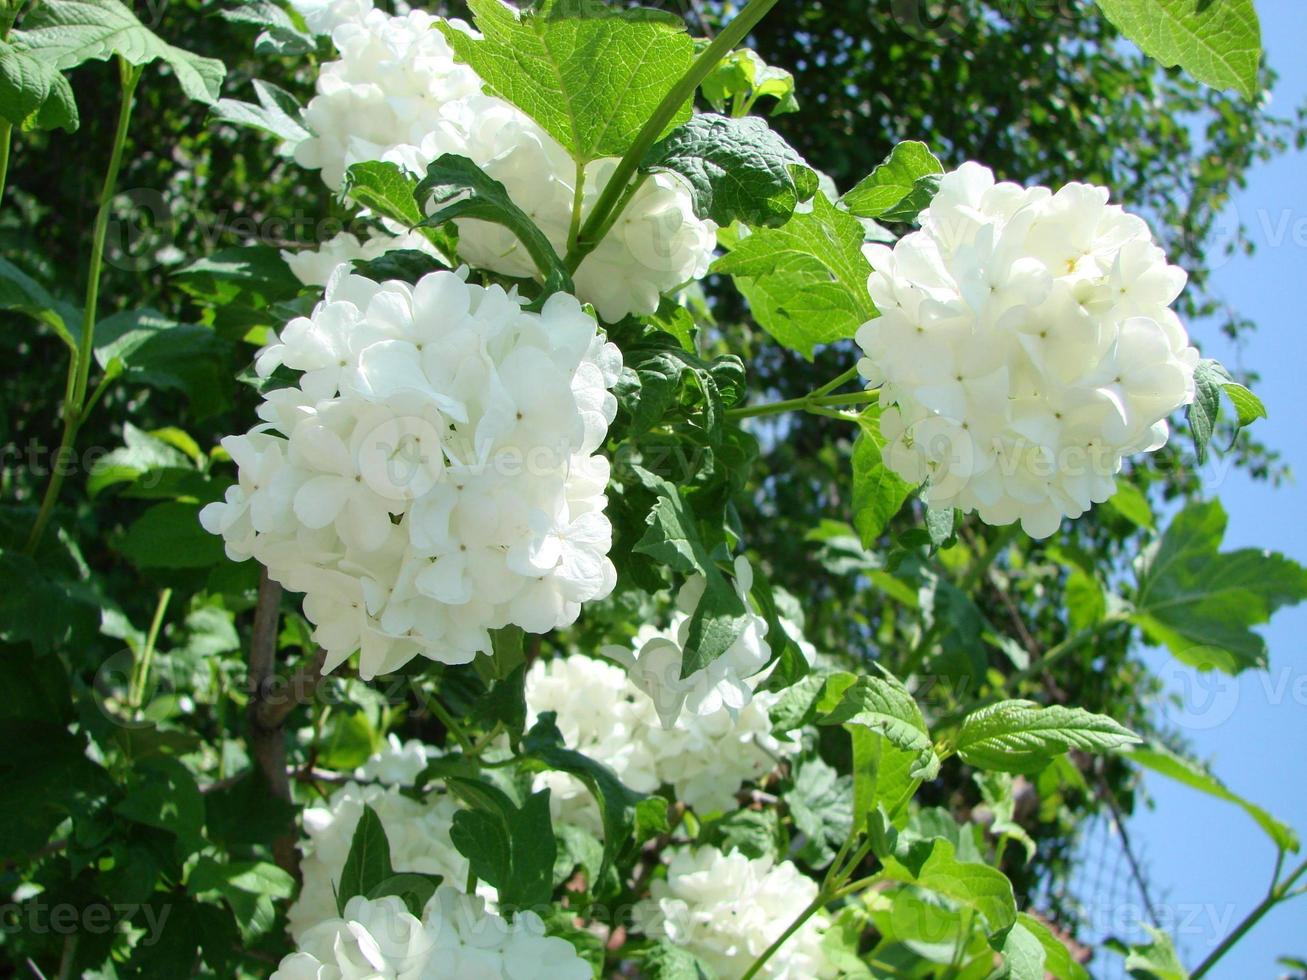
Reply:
x=314, y=266
x=725, y=684
x=456, y=939
x=728, y=909
x=1025, y=346
x=396, y=94
x=397, y=764
x=386, y=89
x=417, y=831
x=602, y=714
x=433, y=475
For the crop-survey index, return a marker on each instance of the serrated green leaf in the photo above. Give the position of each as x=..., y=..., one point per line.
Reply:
x=145, y=347
x=1202, y=413
x=413, y=889
x=1057, y=958
x=666, y=961
x=277, y=112
x=820, y=802
x=1201, y=602
x=806, y=281
x=742, y=78
x=899, y=188
x=1247, y=406
x=455, y=187
x=673, y=539
x=169, y=535
x=977, y=886
x=884, y=705
x=878, y=492
x=1023, y=954
x=1219, y=43
x=68, y=32
x=1129, y=501
x=248, y=887
x=34, y=94
x=1157, y=960
x=1021, y=736
x=511, y=847
x=737, y=169
x=616, y=801
x=590, y=75
x=1167, y=763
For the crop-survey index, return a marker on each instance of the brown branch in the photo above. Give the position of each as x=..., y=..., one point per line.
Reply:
x=268, y=742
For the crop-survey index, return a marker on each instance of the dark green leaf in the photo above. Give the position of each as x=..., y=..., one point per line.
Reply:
x=736, y=168
x=878, y=492
x=367, y=865
x=277, y=112
x=975, y=885
x=510, y=847
x=169, y=535
x=34, y=94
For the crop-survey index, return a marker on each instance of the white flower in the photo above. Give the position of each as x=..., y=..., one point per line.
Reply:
x=725, y=684
x=387, y=88
x=397, y=94
x=314, y=266
x=1025, y=346
x=728, y=909
x=456, y=939
x=397, y=764
x=432, y=475
x=418, y=834
x=374, y=939
x=600, y=712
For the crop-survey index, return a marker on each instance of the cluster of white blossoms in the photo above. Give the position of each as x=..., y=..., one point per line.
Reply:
x=417, y=831
x=1025, y=346
x=728, y=909
x=602, y=714
x=455, y=939
x=397, y=94
x=726, y=684
x=433, y=475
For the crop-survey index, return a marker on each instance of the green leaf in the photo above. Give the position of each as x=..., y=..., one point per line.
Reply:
x=882, y=774
x=1022, y=736
x=737, y=169
x=169, y=535
x=142, y=453
x=69, y=32
x=368, y=863
x=162, y=793
x=977, y=886
x=1057, y=958
x=616, y=802
x=590, y=74
x=23, y=294
x=1131, y=503
x=385, y=189
x=1162, y=760
x=658, y=372
x=673, y=539
x=742, y=78
x=277, y=112
x=878, y=492
x=249, y=888
x=511, y=847
x=1023, y=954
x=900, y=187
x=455, y=187
x=1210, y=379
x=806, y=281
x=1219, y=42
x=1200, y=602
x=145, y=347
x=884, y=705
x=820, y=802
x=1156, y=961
x=33, y=93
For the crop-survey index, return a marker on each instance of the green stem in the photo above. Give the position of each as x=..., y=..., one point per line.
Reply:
x=680, y=93
x=578, y=195
x=836, y=382
x=6, y=137
x=137, y=694
x=1277, y=893
x=813, y=908
x=451, y=724
x=818, y=401
x=80, y=370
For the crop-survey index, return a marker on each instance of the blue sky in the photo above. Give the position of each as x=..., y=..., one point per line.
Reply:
x=1209, y=864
